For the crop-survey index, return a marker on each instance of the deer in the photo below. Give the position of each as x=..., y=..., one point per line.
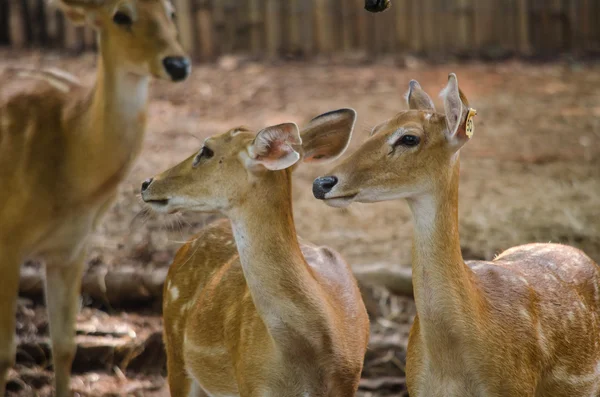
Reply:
x=248, y=308
x=524, y=324
x=64, y=149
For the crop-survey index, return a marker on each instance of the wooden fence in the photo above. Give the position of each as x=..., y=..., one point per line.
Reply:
x=304, y=28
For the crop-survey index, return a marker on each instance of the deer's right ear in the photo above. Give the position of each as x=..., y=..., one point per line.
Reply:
x=273, y=149
x=417, y=98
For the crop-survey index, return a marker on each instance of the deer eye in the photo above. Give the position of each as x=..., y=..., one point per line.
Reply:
x=173, y=15
x=205, y=153
x=121, y=18
x=408, y=140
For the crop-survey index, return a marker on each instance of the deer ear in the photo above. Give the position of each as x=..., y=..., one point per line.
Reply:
x=327, y=136
x=273, y=147
x=417, y=98
x=79, y=12
x=457, y=109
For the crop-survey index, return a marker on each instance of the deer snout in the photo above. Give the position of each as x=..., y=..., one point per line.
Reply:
x=146, y=183
x=376, y=5
x=323, y=185
x=177, y=67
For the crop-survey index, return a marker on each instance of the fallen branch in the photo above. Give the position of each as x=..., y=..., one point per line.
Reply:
x=115, y=287
x=397, y=280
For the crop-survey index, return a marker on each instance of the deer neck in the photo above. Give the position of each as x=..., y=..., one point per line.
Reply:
x=442, y=283
x=113, y=121
x=266, y=239
x=120, y=102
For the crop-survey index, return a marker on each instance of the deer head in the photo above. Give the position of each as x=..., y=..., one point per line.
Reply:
x=226, y=171
x=139, y=35
x=404, y=155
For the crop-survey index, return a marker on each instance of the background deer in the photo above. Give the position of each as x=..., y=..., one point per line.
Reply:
x=248, y=310
x=525, y=324
x=63, y=151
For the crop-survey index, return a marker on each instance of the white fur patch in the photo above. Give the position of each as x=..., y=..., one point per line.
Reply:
x=174, y=293
x=525, y=314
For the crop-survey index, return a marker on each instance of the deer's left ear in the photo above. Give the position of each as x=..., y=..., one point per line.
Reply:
x=459, y=118
x=327, y=136
x=273, y=147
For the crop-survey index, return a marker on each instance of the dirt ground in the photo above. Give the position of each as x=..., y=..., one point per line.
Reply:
x=531, y=173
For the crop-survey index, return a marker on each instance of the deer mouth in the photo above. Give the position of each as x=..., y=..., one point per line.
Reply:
x=340, y=201
x=159, y=205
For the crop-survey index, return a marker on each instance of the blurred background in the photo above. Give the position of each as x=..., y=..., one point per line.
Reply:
x=531, y=172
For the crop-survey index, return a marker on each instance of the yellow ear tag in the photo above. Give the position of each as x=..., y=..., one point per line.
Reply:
x=470, y=126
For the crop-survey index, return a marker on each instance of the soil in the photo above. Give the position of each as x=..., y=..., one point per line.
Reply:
x=531, y=173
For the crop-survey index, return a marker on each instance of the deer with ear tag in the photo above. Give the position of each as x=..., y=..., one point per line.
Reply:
x=249, y=310
x=65, y=148
x=526, y=324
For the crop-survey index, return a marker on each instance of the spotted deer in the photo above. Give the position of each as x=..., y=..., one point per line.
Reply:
x=526, y=323
x=64, y=148
x=248, y=309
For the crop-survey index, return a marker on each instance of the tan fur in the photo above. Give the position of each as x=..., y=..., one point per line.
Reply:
x=249, y=310
x=64, y=148
x=525, y=324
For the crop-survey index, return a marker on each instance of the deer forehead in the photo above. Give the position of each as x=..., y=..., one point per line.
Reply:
x=411, y=120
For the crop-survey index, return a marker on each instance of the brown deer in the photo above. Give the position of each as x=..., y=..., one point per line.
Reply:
x=248, y=309
x=63, y=151
x=525, y=324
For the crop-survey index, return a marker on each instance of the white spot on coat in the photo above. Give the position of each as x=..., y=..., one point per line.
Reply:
x=174, y=291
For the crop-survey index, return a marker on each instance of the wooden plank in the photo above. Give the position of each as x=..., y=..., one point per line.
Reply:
x=185, y=24
x=417, y=27
x=389, y=28
x=324, y=32
x=294, y=26
x=273, y=27
x=17, y=30
x=372, y=45
x=51, y=27
x=362, y=41
x=403, y=25
x=5, y=22
x=89, y=38
x=462, y=21
x=523, y=39
x=307, y=31
x=205, y=30
x=505, y=27
x=483, y=25
x=230, y=24
x=428, y=22
x=256, y=26
x=347, y=25
x=27, y=22
x=71, y=37
x=572, y=26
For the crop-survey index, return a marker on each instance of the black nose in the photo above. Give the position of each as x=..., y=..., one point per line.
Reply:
x=146, y=183
x=177, y=67
x=323, y=185
x=376, y=5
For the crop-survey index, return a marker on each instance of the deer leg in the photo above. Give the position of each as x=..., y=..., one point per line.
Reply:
x=63, y=285
x=9, y=289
